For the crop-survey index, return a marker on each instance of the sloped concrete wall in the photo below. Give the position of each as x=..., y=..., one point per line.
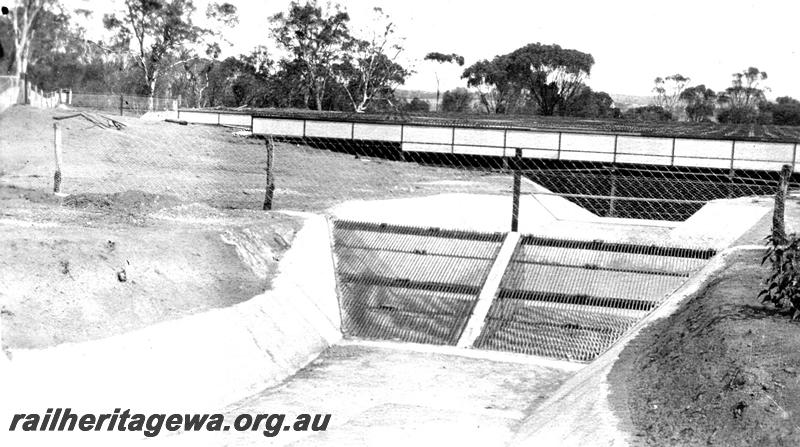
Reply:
x=199, y=363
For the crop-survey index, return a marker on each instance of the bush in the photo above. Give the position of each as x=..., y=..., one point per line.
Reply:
x=785, y=112
x=648, y=113
x=457, y=100
x=416, y=105
x=741, y=115
x=782, y=287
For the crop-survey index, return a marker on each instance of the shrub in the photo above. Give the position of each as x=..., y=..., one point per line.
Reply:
x=416, y=105
x=782, y=287
x=648, y=113
x=457, y=100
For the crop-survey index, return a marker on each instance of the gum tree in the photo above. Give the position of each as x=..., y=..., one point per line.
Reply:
x=552, y=75
x=668, y=91
x=23, y=15
x=316, y=40
x=497, y=92
x=700, y=102
x=369, y=71
x=155, y=32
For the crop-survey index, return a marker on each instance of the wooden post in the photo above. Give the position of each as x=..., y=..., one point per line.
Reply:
x=121, y=100
x=778, y=221
x=270, y=188
x=57, y=150
x=516, y=191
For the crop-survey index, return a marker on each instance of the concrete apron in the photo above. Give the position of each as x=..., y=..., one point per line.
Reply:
x=193, y=364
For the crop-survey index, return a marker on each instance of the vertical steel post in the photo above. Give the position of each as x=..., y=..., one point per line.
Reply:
x=613, y=192
x=516, y=166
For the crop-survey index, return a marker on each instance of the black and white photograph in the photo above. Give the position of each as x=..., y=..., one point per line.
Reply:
x=411, y=223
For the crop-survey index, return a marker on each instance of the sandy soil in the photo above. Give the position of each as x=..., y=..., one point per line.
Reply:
x=100, y=265
x=198, y=163
x=723, y=370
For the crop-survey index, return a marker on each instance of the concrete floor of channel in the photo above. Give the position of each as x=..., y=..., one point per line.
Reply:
x=383, y=393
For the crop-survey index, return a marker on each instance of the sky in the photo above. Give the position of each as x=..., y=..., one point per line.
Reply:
x=632, y=42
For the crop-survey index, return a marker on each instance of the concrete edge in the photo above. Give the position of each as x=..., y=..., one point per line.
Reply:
x=478, y=354
x=477, y=319
x=579, y=413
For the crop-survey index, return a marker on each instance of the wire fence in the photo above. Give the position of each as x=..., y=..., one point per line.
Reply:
x=123, y=104
x=216, y=166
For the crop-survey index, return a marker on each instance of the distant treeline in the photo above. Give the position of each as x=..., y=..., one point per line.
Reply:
x=155, y=49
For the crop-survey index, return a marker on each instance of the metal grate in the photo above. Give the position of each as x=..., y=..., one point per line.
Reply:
x=573, y=299
x=410, y=284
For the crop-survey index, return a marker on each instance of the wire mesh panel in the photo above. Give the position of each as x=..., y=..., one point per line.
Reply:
x=410, y=284
x=614, y=169
x=191, y=165
x=573, y=299
x=644, y=191
x=122, y=104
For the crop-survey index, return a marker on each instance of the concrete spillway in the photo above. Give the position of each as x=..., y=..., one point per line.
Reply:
x=558, y=298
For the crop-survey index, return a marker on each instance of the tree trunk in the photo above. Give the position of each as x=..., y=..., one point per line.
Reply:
x=319, y=101
x=151, y=96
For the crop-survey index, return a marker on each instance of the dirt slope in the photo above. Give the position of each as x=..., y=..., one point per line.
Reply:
x=99, y=265
x=723, y=370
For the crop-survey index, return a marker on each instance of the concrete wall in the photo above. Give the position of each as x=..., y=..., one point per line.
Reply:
x=199, y=363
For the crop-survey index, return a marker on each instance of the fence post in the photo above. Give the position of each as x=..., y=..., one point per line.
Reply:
x=613, y=192
x=270, y=188
x=732, y=172
x=121, y=99
x=57, y=150
x=778, y=221
x=516, y=166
